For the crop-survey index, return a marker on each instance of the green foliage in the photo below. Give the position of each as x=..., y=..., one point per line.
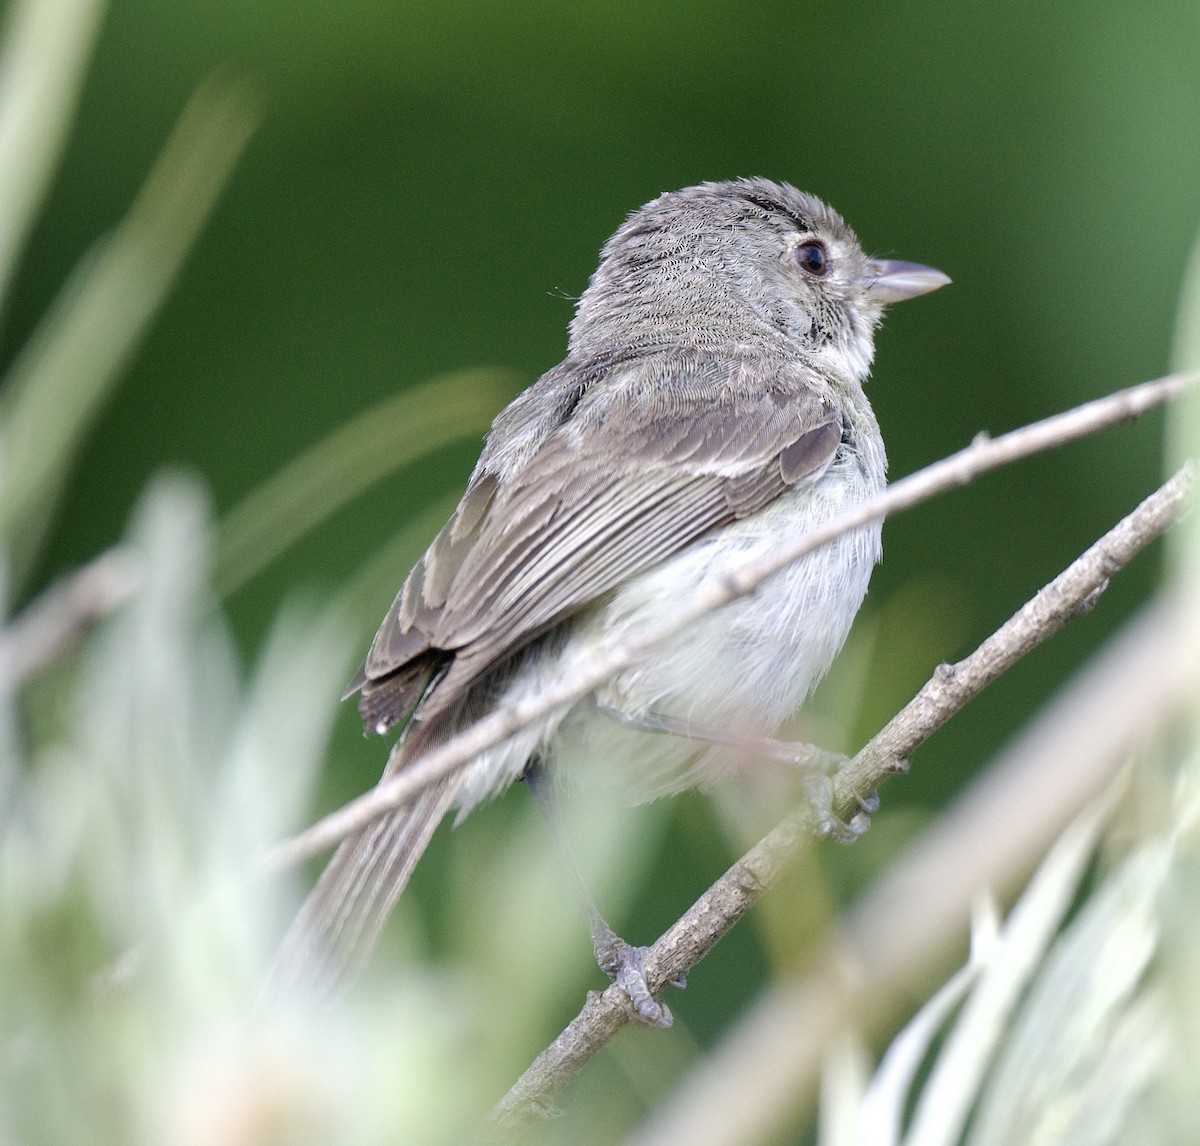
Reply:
x=56, y=386
x=313, y=487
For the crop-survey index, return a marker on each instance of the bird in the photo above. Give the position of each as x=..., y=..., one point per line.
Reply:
x=710, y=408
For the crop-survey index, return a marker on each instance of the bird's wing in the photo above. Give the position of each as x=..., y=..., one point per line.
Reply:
x=643, y=466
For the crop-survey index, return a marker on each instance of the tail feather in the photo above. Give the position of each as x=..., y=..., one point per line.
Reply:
x=339, y=922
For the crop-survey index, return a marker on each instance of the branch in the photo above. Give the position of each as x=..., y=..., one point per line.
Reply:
x=63, y=614
x=982, y=455
x=903, y=929
x=1071, y=593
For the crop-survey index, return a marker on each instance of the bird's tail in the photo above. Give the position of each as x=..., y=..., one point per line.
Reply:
x=339, y=922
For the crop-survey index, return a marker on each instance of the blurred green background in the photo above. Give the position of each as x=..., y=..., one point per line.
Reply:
x=431, y=184
x=429, y=187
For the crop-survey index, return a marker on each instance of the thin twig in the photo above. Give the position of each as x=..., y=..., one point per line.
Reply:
x=983, y=454
x=63, y=614
x=683, y=945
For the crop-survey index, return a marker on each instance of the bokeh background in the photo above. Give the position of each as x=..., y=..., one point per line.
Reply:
x=427, y=190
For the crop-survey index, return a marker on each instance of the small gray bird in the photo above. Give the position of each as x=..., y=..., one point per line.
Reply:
x=710, y=407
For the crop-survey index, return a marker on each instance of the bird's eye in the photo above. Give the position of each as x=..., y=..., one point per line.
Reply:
x=812, y=258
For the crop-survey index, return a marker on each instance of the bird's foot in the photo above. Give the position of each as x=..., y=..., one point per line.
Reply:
x=820, y=768
x=624, y=965
x=817, y=766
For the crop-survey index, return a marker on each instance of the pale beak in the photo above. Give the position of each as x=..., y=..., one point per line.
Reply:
x=894, y=281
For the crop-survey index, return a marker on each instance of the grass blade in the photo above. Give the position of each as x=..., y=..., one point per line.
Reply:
x=376, y=443
x=63, y=375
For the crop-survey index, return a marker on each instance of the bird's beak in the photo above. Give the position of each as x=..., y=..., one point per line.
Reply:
x=894, y=281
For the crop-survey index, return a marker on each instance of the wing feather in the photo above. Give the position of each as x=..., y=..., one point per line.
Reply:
x=644, y=464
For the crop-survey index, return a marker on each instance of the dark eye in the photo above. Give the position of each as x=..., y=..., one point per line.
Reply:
x=812, y=258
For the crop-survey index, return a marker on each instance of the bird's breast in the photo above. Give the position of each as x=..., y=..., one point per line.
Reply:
x=751, y=664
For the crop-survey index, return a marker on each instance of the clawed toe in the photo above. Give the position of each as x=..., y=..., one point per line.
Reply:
x=869, y=803
x=623, y=964
x=829, y=826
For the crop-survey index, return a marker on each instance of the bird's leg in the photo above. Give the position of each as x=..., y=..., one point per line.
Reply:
x=619, y=960
x=818, y=766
